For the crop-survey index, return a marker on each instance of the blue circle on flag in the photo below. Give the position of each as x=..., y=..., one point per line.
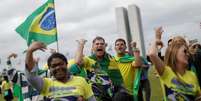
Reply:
x=48, y=21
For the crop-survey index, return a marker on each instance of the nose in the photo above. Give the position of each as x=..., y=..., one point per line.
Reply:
x=100, y=45
x=58, y=68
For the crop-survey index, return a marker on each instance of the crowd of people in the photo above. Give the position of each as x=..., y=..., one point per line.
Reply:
x=103, y=77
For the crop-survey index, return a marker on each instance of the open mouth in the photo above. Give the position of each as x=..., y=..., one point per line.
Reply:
x=120, y=49
x=99, y=50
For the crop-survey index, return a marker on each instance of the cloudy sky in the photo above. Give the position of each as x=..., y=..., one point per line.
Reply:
x=89, y=18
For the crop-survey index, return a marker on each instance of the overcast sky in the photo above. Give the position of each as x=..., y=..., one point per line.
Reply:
x=89, y=18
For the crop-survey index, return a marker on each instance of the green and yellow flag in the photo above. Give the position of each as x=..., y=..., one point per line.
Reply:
x=40, y=25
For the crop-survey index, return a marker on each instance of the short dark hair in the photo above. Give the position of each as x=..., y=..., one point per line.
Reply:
x=98, y=38
x=56, y=55
x=6, y=78
x=120, y=39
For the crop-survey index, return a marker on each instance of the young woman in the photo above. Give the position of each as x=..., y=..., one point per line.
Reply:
x=180, y=84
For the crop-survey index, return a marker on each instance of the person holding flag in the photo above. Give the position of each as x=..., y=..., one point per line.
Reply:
x=125, y=64
x=144, y=85
x=39, y=26
x=100, y=67
x=63, y=85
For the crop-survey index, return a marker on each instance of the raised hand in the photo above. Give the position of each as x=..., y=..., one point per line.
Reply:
x=158, y=34
x=153, y=51
x=14, y=55
x=133, y=44
x=37, y=46
x=29, y=60
x=81, y=41
x=159, y=31
x=52, y=51
x=79, y=53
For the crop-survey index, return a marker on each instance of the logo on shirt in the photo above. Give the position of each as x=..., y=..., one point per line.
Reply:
x=182, y=86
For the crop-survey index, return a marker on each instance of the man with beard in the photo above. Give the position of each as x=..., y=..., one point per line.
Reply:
x=99, y=65
x=63, y=86
x=128, y=64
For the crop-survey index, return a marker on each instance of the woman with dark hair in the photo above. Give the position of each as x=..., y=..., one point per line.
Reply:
x=6, y=89
x=195, y=60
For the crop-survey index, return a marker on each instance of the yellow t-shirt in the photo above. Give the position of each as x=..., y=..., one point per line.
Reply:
x=128, y=74
x=5, y=85
x=75, y=87
x=181, y=87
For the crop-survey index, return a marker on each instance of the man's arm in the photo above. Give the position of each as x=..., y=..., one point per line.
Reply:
x=79, y=53
x=29, y=60
x=9, y=58
x=137, y=63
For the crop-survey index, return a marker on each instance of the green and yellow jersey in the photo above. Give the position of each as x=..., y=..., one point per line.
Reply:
x=71, y=90
x=127, y=71
x=180, y=87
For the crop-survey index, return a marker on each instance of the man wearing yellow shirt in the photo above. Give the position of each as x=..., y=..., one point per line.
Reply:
x=100, y=68
x=125, y=64
x=63, y=86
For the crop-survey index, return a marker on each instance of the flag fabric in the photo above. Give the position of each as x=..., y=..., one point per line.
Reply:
x=40, y=25
x=136, y=83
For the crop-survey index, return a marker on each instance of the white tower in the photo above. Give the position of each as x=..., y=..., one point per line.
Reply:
x=135, y=25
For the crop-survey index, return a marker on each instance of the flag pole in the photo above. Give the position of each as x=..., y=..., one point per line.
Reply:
x=57, y=44
x=56, y=28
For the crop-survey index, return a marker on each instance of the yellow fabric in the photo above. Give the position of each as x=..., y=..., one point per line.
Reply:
x=5, y=85
x=161, y=84
x=113, y=64
x=187, y=83
x=128, y=74
x=76, y=86
x=70, y=62
x=88, y=62
x=45, y=67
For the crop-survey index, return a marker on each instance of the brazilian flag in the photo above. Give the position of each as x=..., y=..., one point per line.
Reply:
x=40, y=25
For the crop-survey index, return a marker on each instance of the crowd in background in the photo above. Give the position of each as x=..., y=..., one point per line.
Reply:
x=103, y=77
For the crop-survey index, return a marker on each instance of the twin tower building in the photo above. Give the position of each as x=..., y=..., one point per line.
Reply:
x=129, y=22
